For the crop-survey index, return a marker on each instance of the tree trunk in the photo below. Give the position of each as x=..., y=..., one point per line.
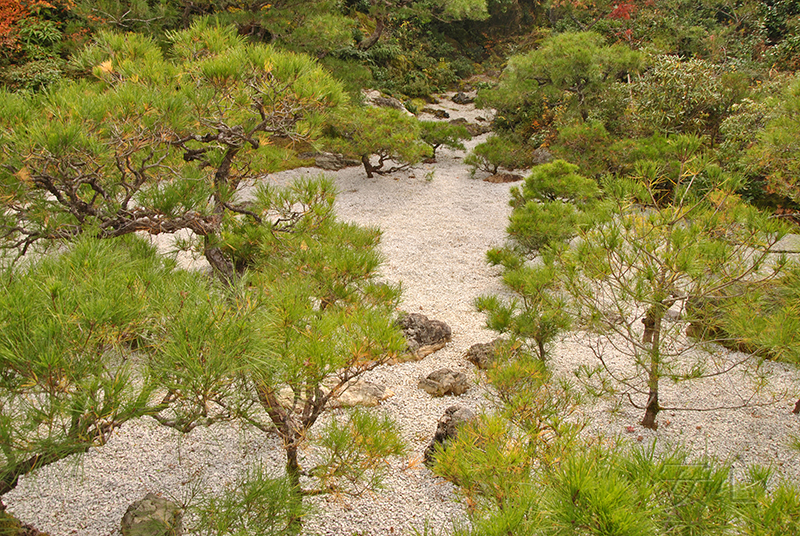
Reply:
x=293, y=473
x=367, y=166
x=651, y=410
x=370, y=41
x=652, y=336
x=222, y=266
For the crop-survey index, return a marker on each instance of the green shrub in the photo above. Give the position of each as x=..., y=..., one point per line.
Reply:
x=69, y=326
x=621, y=490
x=438, y=133
x=499, y=152
x=391, y=135
x=763, y=318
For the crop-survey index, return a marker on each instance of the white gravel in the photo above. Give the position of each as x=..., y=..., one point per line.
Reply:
x=435, y=235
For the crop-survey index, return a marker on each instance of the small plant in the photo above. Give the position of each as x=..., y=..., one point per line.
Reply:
x=256, y=504
x=549, y=208
x=498, y=152
x=439, y=133
x=389, y=134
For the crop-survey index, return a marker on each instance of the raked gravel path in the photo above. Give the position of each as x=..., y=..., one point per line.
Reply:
x=437, y=224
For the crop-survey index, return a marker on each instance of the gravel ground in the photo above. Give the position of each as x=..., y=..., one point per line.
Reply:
x=435, y=235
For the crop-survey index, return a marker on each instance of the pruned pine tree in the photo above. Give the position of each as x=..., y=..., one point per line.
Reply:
x=550, y=207
x=689, y=251
x=75, y=330
x=497, y=152
x=108, y=331
x=155, y=142
x=161, y=143
x=439, y=133
x=312, y=319
x=388, y=134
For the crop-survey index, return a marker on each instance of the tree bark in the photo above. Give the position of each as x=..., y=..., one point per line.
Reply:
x=370, y=41
x=652, y=336
x=367, y=166
x=222, y=266
x=293, y=473
x=651, y=410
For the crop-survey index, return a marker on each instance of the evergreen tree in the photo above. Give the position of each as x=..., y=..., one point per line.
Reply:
x=153, y=143
x=689, y=250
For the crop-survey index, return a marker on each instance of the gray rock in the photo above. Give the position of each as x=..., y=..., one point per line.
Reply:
x=374, y=98
x=444, y=382
x=354, y=393
x=473, y=128
x=447, y=429
x=363, y=393
x=484, y=354
x=334, y=161
x=542, y=156
x=502, y=177
x=788, y=244
x=152, y=516
x=462, y=98
x=423, y=336
x=435, y=112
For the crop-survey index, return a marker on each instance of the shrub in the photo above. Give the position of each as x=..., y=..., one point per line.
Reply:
x=438, y=133
x=499, y=152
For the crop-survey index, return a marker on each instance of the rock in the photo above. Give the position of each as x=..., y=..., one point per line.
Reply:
x=503, y=177
x=472, y=128
x=423, y=336
x=374, y=98
x=362, y=393
x=334, y=161
x=435, y=112
x=152, y=516
x=447, y=429
x=483, y=354
x=477, y=130
x=541, y=156
x=788, y=244
x=444, y=382
x=462, y=98
x=354, y=393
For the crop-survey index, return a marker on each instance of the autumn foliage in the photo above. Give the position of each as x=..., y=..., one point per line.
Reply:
x=11, y=11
